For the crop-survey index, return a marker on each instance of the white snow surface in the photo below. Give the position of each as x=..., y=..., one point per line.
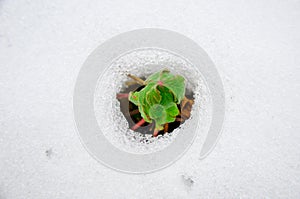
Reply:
x=255, y=46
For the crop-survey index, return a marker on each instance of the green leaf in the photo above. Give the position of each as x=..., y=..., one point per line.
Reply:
x=175, y=83
x=153, y=96
x=166, y=95
x=170, y=119
x=159, y=98
x=177, y=86
x=134, y=97
x=158, y=113
x=144, y=113
x=154, y=77
x=172, y=109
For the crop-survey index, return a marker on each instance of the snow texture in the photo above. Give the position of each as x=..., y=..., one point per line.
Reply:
x=255, y=46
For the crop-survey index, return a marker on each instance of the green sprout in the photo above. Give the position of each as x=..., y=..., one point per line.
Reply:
x=158, y=100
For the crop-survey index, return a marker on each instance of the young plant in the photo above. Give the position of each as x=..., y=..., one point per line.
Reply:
x=157, y=101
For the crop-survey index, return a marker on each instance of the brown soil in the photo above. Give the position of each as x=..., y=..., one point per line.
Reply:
x=133, y=115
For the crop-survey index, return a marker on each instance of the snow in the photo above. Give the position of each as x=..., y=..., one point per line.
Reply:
x=255, y=46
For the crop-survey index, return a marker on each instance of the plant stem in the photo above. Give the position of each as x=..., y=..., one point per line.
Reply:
x=179, y=119
x=130, y=83
x=134, y=112
x=155, y=133
x=186, y=100
x=137, y=79
x=166, y=128
x=138, y=125
x=122, y=95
